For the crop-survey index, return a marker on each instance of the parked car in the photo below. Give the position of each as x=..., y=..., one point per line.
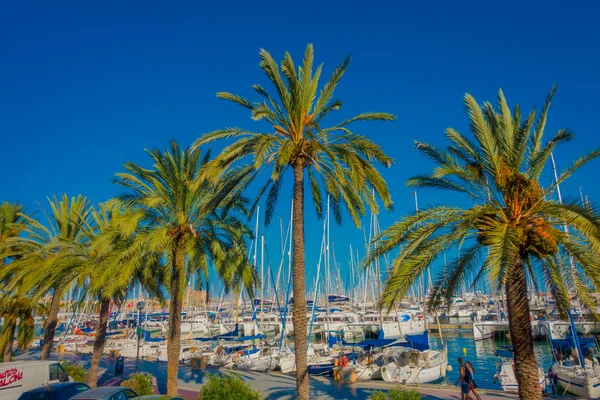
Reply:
x=159, y=397
x=20, y=376
x=56, y=391
x=107, y=393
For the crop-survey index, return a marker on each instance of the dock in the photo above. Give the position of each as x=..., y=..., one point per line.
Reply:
x=451, y=327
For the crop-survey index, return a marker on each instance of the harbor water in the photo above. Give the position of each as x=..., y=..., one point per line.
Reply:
x=482, y=355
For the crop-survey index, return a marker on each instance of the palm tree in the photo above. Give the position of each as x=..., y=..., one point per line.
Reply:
x=183, y=221
x=17, y=312
x=37, y=268
x=513, y=228
x=13, y=309
x=97, y=256
x=338, y=162
x=12, y=223
x=110, y=250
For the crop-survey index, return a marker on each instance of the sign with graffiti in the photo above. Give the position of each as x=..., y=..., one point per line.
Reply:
x=11, y=377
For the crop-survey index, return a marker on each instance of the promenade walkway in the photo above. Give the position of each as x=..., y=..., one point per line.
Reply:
x=274, y=386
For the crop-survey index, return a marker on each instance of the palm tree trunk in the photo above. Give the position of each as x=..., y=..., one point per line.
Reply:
x=99, y=342
x=7, y=351
x=52, y=321
x=175, y=307
x=526, y=367
x=299, y=286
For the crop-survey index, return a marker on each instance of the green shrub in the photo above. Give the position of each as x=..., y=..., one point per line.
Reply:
x=378, y=395
x=227, y=387
x=77, y=372
x=396, y=394
x=141, y=383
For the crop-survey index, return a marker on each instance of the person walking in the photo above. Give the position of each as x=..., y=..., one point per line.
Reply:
x=464, y=379
x=472, y=384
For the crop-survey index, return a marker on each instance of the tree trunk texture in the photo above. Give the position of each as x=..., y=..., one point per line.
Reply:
x=99, y=342
x=50, y=326
x=299, y=286
x=173, y=343
x=7, y=351
x=526, y=367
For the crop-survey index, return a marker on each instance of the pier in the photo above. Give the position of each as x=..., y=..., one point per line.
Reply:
x=451, y=327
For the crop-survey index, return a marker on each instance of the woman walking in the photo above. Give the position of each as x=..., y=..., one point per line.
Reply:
x=472, y=385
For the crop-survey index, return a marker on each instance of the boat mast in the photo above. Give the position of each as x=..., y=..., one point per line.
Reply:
x=262, y=277
x=377, y=272
x=565, y=227
x=437, y=319
x=327, y=270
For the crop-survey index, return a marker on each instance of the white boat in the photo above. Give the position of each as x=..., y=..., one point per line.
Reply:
x=506, y=374
x=582, y=382
x=262, y=361
x=416, y=367
x=572, y=375
x=287, y=359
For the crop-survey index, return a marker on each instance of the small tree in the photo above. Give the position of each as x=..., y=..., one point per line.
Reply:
x=227, y=387
x=77, y=372
x=141, y=383
x=396, y=394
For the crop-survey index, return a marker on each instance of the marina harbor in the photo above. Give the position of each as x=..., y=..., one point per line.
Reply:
x=299, y=200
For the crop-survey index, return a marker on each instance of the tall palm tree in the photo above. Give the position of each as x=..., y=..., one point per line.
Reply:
x=337, y=161
x=17, y=312
x=36, y=269
x=512, y=229
x=182, y=221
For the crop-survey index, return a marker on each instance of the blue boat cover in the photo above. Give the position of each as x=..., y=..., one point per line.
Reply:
x=566, y=345
x=333, y=340
x=504, y=353
x=148, y=336
x=419, y=342
x=369, y=344
x=334, y=298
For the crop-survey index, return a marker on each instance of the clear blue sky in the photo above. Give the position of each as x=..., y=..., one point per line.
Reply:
x=85, y=88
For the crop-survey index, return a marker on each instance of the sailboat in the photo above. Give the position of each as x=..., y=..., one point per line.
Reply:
x=576, y=368
x=505, y=375
x=416, y=363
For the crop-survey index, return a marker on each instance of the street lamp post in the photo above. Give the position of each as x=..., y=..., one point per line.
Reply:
x=140, y=306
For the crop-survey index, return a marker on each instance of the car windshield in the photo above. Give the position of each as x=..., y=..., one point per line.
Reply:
x=37, y=396
x=71, y=391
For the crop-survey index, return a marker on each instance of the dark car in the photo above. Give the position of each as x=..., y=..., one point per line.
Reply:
x=107, y=393
x=56, y=391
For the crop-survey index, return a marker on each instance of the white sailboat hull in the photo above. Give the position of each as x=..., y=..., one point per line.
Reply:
x=580, y=382
x=508, y=380
x=367, y=372
x=412, y=374
x=261, y=364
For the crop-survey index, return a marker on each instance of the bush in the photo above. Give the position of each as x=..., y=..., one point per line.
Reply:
x=378, y=395
x=396, y=394
x=77, y=372
x=227, y=387
x=141, y=383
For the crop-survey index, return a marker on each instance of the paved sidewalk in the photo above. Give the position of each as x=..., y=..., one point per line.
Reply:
x=274, y=385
